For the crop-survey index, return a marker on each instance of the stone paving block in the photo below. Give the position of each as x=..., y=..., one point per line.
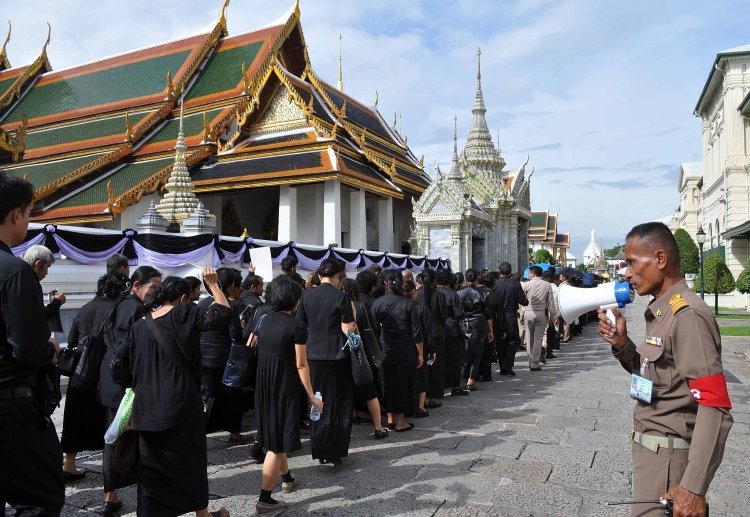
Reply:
x=425, y=457
x=595, y=504
x=537, y=499
x=604, y=480
x=613, y=459
x=596, y=440
x=450, y=509
x=558, y=455
x=545, y=408
x=573, y=402
x=393, y=502
x=561, y=422
x=518, y=471
x=452, y=485
x=618, y=426
x=736, y=465
x=728, y=499
x=476, y=447
x=531, y=433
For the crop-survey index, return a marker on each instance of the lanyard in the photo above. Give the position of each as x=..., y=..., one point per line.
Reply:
x=644, y=367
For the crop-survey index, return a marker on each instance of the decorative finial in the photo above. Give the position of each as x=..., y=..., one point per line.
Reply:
x=3, y=54
x=455, y=136
x=170, y=85
x=296, y=8
x=479, y=63
x=376, y=98
x=341, y=73
x=128, y=127
x=223, y=15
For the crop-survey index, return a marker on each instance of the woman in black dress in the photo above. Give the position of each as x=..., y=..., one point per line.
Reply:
x=143, y=285
x=83, y=418
x=367, y=395
x=328, y=314
x=224, y=407
x=282, y=364
x=446, y=313
x=160, y=360
x=402, y=342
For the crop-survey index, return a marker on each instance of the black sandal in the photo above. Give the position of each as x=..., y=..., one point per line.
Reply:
x=381, y=433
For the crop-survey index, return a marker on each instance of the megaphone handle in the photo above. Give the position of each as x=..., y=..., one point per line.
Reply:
x=611, y=317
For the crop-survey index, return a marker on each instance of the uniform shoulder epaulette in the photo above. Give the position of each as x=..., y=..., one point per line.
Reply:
x=677, y=303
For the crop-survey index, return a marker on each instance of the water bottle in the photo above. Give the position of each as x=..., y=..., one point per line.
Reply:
x=314, y=411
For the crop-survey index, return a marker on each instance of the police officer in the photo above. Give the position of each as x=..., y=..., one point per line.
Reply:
x=31, y=479
x=681, y=419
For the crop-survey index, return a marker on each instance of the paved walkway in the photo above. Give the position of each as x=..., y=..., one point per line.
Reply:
x=550, y=443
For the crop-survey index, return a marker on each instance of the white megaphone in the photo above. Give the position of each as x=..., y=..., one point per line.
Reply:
x=575, y=301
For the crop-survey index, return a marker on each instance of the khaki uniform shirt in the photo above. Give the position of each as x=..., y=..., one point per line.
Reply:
x=539, y=293
x=682, y=343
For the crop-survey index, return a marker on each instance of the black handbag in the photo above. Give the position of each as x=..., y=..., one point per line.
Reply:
x=67, y=360
x=466, y=329
x=237, y=372
x=361, y=371
x=369, y=339
x=125, y=455
x=92, y=351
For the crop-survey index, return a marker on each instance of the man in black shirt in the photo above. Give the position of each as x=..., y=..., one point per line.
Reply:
x=31, y=478
x=503, y=302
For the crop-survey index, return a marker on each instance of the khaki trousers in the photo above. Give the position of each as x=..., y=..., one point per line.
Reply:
x=654, y=474
x=536, y=327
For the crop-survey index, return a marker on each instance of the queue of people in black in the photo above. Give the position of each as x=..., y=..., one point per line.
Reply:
x=436, y=334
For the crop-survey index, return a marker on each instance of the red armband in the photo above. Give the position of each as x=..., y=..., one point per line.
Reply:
x=711, y=391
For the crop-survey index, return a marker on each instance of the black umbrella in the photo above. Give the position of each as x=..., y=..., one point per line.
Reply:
x=570, y=272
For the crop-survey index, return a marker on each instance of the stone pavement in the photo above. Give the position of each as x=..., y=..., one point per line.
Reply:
x=550, y=443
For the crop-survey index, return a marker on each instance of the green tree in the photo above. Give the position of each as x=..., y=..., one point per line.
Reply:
x=689, y=260
x=612, y=252
x=542, y=257
x=719, y=279
x=582, y=267
x=743, y=281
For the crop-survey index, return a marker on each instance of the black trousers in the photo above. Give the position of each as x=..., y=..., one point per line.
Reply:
x=31, y=476
x=507, y=346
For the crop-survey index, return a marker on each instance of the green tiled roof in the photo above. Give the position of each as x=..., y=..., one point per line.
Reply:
x=43, y=174
x=538, y=219
x=5, y=84
x=224, y=70
x=551, y=222
x=192, y=125
x=113, y=84
x=84, y=131
x=123, y=180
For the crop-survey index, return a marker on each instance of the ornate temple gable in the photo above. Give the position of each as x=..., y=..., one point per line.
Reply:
x=10, y=147
x=13, y=81
x=4, y=63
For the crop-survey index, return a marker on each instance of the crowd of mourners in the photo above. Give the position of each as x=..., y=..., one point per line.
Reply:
x=431, y=335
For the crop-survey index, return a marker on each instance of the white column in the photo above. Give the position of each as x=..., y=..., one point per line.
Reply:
x=385, y=225
x=287, y=214
x=357, y=220
x=332, y=213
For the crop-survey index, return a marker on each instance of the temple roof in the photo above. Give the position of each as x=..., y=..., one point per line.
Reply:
x=95, y=138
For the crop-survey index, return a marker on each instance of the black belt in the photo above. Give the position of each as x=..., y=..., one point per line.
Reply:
x=16, y=393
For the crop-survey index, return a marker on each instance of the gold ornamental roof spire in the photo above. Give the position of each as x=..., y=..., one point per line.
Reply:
x=341, y=73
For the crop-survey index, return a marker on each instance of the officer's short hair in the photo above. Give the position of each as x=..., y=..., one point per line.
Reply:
x=38, y=252
x=656, y=235
x=505, y=268
x=117, y=261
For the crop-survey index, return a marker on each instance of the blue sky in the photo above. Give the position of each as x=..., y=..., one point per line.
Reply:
x=599, y=94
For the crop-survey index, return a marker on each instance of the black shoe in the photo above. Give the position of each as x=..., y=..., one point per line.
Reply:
x=510, y=373
x=257, y=454
x=471, y=387
x=457, y=392
x=70, y=477
x=536, y=368
x=543, y=360
x=111, y=508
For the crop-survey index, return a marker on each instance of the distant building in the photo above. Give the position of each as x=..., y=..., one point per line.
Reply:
x=714, y=195
x=593, y=257
x=543, y=235
x=269, y=147
x=478, y=213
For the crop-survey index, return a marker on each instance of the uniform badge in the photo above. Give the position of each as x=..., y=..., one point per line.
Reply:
x=677, y=303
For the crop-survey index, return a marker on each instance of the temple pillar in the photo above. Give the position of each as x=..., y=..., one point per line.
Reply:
x=332, y=212
x=513, y=251
x=287, y=214
x=357, y=220
x=385, y=225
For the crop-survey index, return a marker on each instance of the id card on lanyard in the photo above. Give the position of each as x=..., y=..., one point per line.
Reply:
x=640, y=387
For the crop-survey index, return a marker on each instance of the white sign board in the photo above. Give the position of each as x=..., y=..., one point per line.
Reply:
x=261, y=259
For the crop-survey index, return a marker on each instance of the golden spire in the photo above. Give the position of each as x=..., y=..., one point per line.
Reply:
x=341, y=74
x=206, y=127
x=4, y=63
x=170, y=85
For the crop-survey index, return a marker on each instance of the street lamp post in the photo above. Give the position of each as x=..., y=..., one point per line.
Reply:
x=701, y=236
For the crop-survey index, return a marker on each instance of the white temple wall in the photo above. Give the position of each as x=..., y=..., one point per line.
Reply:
x=310, y=214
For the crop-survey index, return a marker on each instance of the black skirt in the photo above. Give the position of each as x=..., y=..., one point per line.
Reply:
x=329, y=436
x=112, y=479
x=400, y=395
x=224, y=404
x=436, y=372
x=83, y=422
x=422, y=375
x=277, y=404
x=454, y=351
x=172, y=475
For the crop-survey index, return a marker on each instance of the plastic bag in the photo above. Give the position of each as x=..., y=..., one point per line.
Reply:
x=122, y=417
